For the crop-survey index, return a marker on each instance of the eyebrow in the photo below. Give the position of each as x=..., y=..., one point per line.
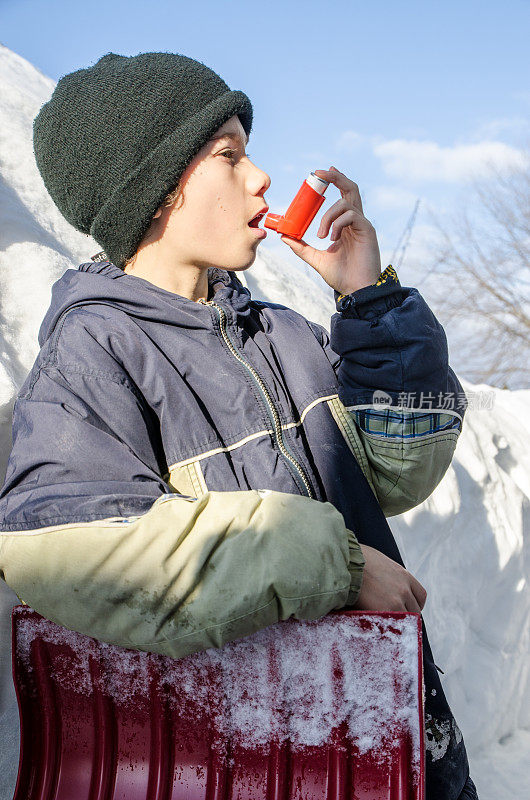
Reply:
x=233, y=136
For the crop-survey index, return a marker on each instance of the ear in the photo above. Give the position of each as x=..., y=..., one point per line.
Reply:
x=157, y=213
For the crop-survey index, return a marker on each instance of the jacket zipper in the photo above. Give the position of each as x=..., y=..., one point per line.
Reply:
x=273, y=412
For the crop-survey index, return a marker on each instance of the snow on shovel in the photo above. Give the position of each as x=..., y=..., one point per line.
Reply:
x=302, y=710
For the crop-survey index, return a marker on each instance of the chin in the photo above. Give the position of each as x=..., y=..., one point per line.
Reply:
x=253, y=256
x=240, y=259
x=240, y=266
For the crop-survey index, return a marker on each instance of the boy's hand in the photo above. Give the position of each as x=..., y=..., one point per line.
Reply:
x=387, y=586
x=353, y=260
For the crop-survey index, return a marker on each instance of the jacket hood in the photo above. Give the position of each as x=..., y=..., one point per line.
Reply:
x=103, y=282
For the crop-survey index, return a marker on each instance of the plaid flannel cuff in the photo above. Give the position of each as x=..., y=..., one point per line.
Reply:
x=390, y=423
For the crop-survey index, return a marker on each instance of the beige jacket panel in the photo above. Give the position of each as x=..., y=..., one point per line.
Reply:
x=402, y=471
x=190, y=573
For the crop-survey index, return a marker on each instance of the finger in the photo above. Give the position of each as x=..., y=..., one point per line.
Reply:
x=419, y=592
x=348, y=218
x=331, y=214
x=411, y=604
x=347, y=187
x=352, y=219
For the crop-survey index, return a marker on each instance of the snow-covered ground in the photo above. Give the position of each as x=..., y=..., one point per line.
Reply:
x=469, y=543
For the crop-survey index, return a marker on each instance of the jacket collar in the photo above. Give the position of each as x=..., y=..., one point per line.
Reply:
x=223, y=285
x=104, y=282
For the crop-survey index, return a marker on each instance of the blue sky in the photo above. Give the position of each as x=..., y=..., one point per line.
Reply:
x=406, y=98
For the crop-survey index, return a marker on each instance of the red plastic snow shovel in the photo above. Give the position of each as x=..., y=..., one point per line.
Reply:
x=302, y=710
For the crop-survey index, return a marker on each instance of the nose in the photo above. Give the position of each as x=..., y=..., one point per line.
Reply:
x=260, y=180
x=267, y=180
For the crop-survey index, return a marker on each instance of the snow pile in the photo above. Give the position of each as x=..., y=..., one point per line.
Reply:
x=466, y=543
x=469, y=545
x=36, y=243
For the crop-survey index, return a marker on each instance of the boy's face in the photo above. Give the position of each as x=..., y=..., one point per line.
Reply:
x=223, y=190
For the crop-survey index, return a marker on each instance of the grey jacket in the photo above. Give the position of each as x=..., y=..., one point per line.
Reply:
x=186, y=473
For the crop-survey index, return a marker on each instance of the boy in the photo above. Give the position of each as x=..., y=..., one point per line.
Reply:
x=190, y=465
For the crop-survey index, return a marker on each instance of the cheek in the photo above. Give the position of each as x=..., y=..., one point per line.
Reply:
x=206, y=207
x=218, y=203
x=222, y=214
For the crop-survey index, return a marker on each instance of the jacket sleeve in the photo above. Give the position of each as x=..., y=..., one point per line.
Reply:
x=400, y=406
x=93, y=538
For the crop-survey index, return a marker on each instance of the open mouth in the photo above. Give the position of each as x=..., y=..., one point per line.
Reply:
x=254, y=223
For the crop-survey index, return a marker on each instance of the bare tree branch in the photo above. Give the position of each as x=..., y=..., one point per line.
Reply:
x=480, y=272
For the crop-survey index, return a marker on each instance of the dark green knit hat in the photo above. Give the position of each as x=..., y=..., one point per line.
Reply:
x=114, y=139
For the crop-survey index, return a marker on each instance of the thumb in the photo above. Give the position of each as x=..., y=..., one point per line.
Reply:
x=302, y=249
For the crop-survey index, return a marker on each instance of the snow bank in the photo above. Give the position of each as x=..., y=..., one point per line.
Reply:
x=468, y=543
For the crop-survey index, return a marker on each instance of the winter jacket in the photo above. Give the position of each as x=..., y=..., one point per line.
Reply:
x=184, y=473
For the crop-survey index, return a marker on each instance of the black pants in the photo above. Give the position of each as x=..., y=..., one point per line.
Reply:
x=469, y=792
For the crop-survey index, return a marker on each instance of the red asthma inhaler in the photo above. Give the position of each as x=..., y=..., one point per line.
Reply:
x=302, y=210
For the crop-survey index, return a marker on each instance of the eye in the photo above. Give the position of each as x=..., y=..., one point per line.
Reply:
x=230, y=153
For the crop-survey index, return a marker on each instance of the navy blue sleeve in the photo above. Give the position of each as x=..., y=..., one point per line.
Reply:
x=84, y=448
x=389, y=341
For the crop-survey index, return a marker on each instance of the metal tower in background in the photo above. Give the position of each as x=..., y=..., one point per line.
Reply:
x=399, y=253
